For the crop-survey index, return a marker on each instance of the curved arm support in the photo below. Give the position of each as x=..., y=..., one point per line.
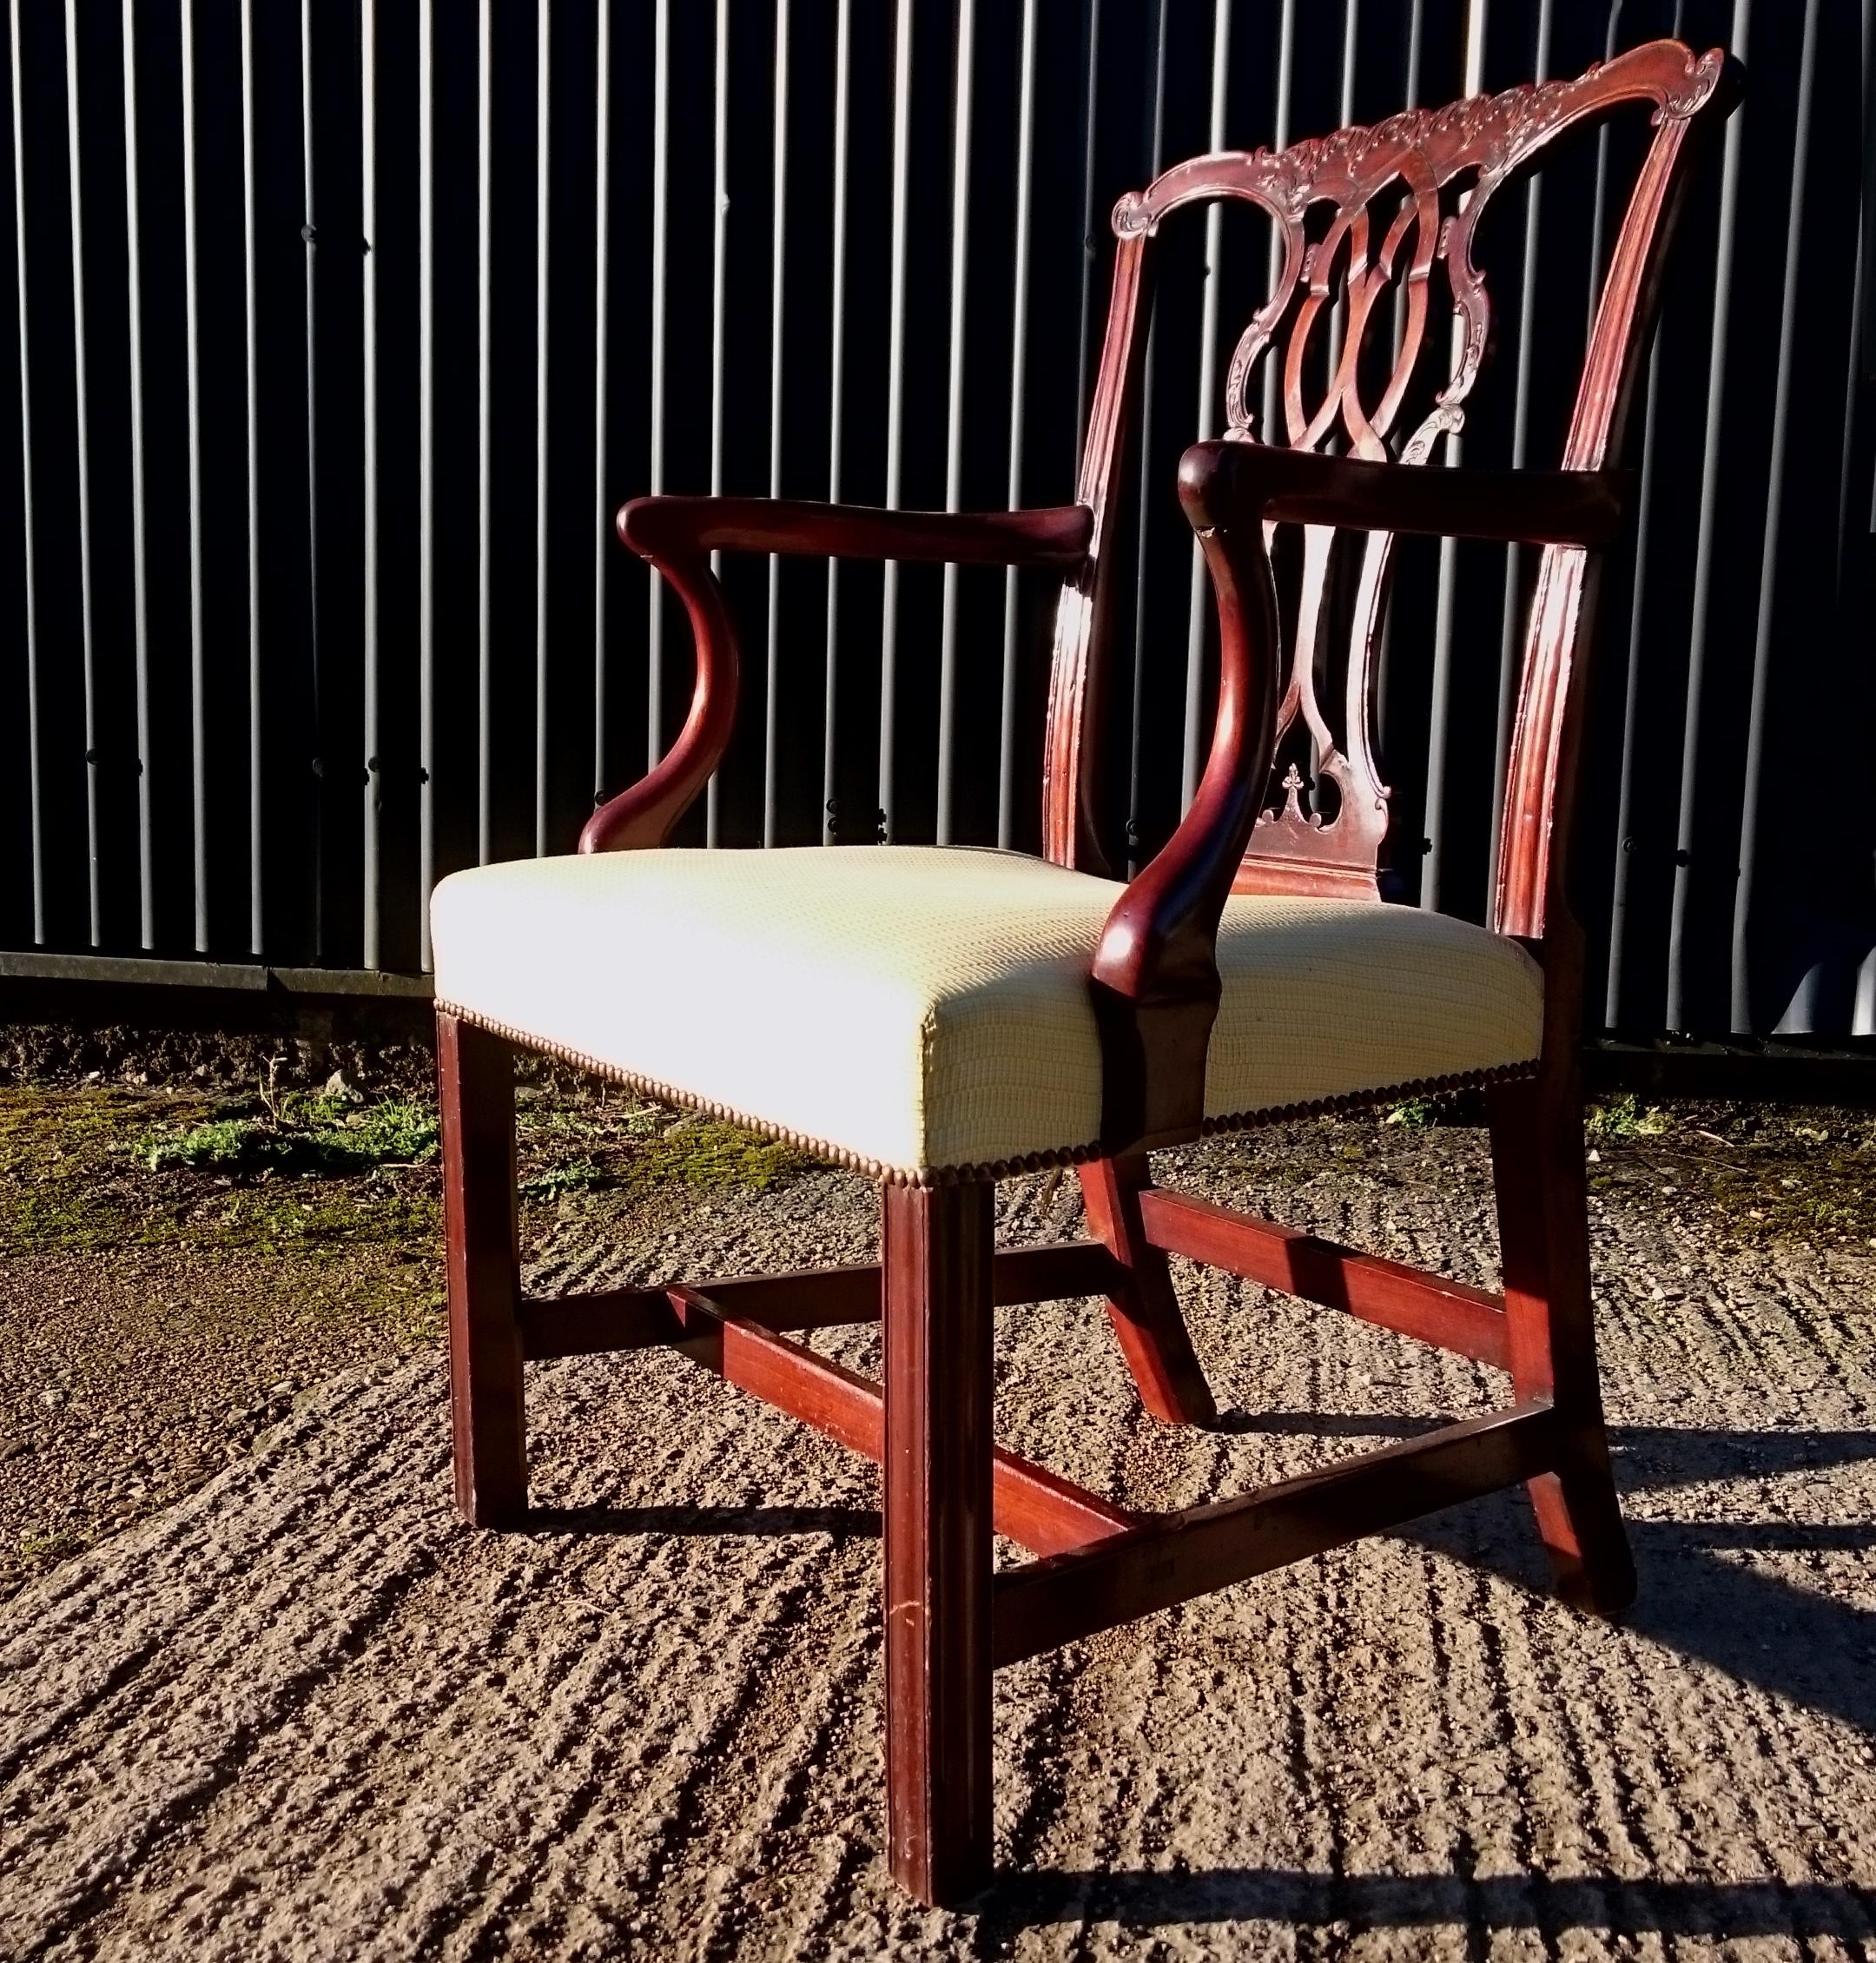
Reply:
x=1155, y=974
x=665, y=527
x=645, y=815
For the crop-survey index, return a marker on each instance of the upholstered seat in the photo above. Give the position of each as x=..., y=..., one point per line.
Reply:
x=920, y=1009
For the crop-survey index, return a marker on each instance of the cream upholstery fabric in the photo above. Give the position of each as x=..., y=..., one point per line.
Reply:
x=916, y=1009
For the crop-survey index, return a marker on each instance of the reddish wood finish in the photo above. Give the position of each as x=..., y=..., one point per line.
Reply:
x=1141, y=1305
x=936, y=1244
x=1206, y=1547
x=639, y=1319
x=476, y=1094
x=1429, y=1307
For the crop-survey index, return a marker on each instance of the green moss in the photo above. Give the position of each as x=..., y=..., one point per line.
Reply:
x=705, y=1151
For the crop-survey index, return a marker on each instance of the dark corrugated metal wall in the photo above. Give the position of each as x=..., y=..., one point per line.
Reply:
x=390, y=303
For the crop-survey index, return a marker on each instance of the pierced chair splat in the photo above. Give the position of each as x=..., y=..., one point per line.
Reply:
x=940, y=1018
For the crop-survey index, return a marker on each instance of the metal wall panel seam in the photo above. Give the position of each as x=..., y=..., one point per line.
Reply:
x=1279, y=140
x=543, y=218
x=30, y=593
x=602, y=260
x=1508, y=638
x=1345, y=118
x=778, y=263
x=83, y=434
x=1862, y=361
x=1768, y=573
x=192, y=345
x=308, y=233
x=139, y=543
x=426, y=471
x=1206, y=424
x=1091, y=239
x=1018, y=350
x=836, y=358
x=660, y=236
x=1705, y=543
x=251, y=343
x=1433, y=843
x=372, y=781
x=895, y=405
x=961, y=140
x=484, y=434
x=719, y=264
x=1156, y=142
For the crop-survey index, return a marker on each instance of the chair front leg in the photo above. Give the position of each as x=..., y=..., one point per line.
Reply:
x=936, y=1256
x=476, y=1086
x=1543, y=1232
x=1145, y=1312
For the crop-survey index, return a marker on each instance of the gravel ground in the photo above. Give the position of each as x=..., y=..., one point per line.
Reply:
x=299, y=1712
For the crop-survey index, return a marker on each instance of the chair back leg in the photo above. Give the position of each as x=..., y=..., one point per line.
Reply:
x=1543, y=1231
x=936, y=1254
x=1145, y=1311
x=475, y=1082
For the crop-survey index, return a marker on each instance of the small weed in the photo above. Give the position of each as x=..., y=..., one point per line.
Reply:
x=1622, y=1118
x=1414, y=1114
x=582, y=1175
x=54, y=1546
x=304, y=1133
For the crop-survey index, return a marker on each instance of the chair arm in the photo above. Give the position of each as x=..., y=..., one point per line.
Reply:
x=677, y=535
x=658, y=528
x=1155, y=973
x=1229, y=483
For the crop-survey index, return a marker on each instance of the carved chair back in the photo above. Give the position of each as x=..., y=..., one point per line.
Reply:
x=1359, y=216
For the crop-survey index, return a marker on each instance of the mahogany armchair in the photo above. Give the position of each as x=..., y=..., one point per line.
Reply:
x=942, y=1017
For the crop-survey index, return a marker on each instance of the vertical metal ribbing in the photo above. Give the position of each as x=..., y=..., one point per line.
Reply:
x=1508, y=629
x=37, y=785
x=426, y=469
x=961, y=140
x=771, y=717
x=1862, y=356
x=1206, y=424
x=719, y=266
x=1268, y=429
x=836, y=356
x=1019, y=349
x=1598, y=196
x=308, y=232
x=1431, y=879
x=543, y=158
x=1706, y=541
x=192, y=342
x=660, y=233
x=894, y=404
x=1155, y=143
x=1344, y=116
x=139, y=560
x=1091, y=244
x=601, y=230
x=374, y=895
x=485, y=459
x=1625, y=844
x=1768, y=575
x=83, y=441
x=251, y=327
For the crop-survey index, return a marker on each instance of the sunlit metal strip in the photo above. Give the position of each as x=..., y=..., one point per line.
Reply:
x=777, y=264
x=1431, y=878
x=1706, y=543
x=660, y=236
x=1197, y=604
x=1142, y=503
x=308, y=232
x=1018, y=350
x=1280, y=133
x=81, y=412
x=543, y=223
x=251, y=342
x=1508, y=638
x=960, y=142
x=139, y=511
x=719, y=273
x=34, y=764
x=602, y=266
x=373, y=780
x=1768, y=574
x=485, y=435
x=895, y=405
x=426, y=760
x=1091, y=237
x=836, y=358
x=192, y=351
